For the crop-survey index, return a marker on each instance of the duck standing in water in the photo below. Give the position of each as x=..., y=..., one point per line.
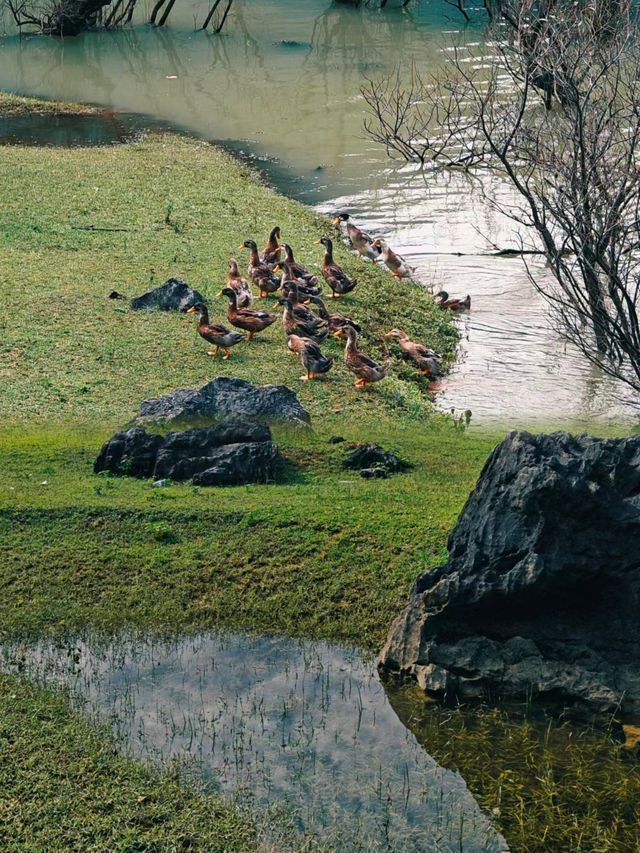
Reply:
x=215, y=333
x=313, y=360
x=272, y=250
x=361, y=242
x=367, y=370
x=337, y=279
x=239, y=284
x=393, y=260
x=427, y=360
x=442, y=299
x=246, y=318
x=261, y=274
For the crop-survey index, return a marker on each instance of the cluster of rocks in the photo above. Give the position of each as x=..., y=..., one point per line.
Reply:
x=230, y=453
x=173, y=295
x=235, y=447
x=541, y=592
x=373, y=462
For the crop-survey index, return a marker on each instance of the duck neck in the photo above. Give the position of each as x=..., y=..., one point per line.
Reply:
x=328, y=255
x=254, y=257
x=351, y=343
x=204, y=316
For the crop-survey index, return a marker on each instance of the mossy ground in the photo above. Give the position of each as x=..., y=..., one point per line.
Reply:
x=319, y=553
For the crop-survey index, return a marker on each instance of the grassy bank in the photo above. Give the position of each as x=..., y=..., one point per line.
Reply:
x=63, y=786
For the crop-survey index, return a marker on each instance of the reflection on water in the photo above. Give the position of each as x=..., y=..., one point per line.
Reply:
x=300, y=725
x=283, y=82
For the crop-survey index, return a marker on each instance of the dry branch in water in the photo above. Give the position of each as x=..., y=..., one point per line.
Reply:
x=558, y=116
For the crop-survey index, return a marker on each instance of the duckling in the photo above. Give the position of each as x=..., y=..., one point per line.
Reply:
x=334, y=275
x=427, y=360
x=367, y=370
x=311, y=357
x=442, y=299
x=239, y=284
x=336, y=321
x=361, y=242
x=271, y=252
x=297, y=270
x=299, y=320
x=261, y=274
x=215, y=333
x=245, y=318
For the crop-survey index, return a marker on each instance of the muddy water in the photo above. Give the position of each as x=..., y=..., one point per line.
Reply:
x=283, y=83
x=302, y=729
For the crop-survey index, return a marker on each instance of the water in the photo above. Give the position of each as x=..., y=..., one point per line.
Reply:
x=283, y=83
x=303, y=729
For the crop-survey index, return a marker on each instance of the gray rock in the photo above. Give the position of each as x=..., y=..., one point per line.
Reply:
x=235, y=464
x=132, y=452
x=224, y=398
x=541, y=592
x=173, y=295
x=230, y=453
x=368, y=456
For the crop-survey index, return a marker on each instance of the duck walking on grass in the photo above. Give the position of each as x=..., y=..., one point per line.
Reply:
x=361, y=242
x=393, y=261
x=246, y=318
x=271, y=252
x=426, y=359
x=261, y=274
x=296, y=269
x=239, y=284
x=305, y=290
x=311, y=357
x=367, y=370
x=336, y=321
x=442, y=299
x=337, y=279
x=215, y=333
x=299, y=320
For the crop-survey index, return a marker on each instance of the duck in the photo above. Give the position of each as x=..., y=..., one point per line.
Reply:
x=392, y=260
x=442, y=299
x=335, y=321
x=305, y=290
x=260, y=273
x=361, y=242
x=215, y=333
x=297, y=270
x=299, y=320
x=271, y=252
x=239, y=284
x=337, y=279
x=367, y=370
x=311, y=357
x=426, y=359
x=246, y=318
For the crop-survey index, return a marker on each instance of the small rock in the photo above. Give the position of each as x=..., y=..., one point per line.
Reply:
x=336, y=439
x=173, y=295
x=373, y=456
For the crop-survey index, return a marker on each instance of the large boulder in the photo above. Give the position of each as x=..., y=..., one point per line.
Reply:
x=541, y=592
x=173, y=295
x=231, y=453
x=224, y=398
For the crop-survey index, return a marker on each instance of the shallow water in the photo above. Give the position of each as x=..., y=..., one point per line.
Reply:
x=283, y=83
x=302, y=729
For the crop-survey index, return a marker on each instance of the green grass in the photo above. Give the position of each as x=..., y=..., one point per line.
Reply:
x=89, y=797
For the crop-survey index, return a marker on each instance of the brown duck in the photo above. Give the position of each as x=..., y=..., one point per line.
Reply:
x=442, y=299
x=426, y=359
x=239, y=284
x=272, y=250
x=367, y=370
x=261, y=274
x=299, y=320
x=246, y=318
x=337, y=279
x=296, y=269
x=336, y=321
x=215, y=333
x=311, y=356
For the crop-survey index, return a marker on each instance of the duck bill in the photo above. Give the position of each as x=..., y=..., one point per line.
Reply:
x=241, y=246
x=336, y=221
x=317, y=242
x=191, y=310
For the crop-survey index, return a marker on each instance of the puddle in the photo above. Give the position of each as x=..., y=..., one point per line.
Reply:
x=300, y=727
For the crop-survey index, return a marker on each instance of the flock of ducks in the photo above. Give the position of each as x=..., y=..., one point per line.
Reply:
x=306, y=319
